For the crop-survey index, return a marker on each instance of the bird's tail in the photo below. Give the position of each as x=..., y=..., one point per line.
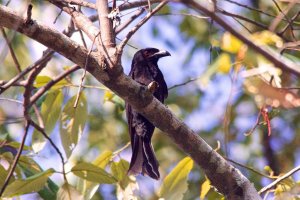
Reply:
x=143, y=159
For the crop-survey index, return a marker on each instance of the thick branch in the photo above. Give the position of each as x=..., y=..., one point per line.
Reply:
x=223, y=176
x=106, y=25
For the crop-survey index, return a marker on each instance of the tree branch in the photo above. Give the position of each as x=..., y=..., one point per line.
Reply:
x=227, y=179
x=281, y=178
x=107, y=34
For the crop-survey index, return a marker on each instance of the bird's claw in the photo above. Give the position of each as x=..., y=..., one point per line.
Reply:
x=152, y=86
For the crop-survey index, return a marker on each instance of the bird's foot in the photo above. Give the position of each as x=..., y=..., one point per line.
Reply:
x=152, y=86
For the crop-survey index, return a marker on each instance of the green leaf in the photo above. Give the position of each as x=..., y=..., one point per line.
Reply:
x=68, y=192
x=3, y=174
x=175, y=184
x=93, y=173
x=119, y=170
x=16, y=145
x=89, y=188
x=72, y=123
x=28, y=185
x=40, y=81
x=50, y=112
x=205, y=187
x=29, y=167
x=103, y=159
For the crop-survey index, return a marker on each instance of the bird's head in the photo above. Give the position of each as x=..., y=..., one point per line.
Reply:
x=150, y=55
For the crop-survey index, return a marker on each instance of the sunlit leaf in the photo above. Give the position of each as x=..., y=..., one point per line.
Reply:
x=103, y=159
x=93, y=173
x=230, y=43
x=68, y=192
x=267, y=38
x=28, y=185
x=205, y=187
x=40, y=81
x=175, y=184
x=89, y=188
x=223, y=63
x=266, y=94
x=50, y=112
x=29, y=168
x=108, y=95
x=72, y=123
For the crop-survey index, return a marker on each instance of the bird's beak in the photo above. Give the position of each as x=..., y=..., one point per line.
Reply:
x=160, y=54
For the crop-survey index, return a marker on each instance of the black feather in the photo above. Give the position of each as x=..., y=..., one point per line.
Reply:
x=144, y=70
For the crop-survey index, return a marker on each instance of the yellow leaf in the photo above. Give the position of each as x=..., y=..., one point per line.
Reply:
x=267, y=38
x=230, y=43
x=205, y=187
x=108, y=95
x=223, y=62
x=40, y=81
x=175, y=183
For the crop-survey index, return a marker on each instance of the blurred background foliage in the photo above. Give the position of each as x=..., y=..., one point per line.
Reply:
x=211, y=86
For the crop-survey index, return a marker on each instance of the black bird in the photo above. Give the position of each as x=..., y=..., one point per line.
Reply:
x=144, y=70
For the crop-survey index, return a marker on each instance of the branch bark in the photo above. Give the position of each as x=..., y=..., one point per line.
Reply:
x=227, y=179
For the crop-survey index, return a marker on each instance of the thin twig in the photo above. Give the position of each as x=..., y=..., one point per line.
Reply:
x=116, y=153
x=84, y=73
x=15, y=162
x=82, y=39
x=224, y=12
x=277, y=181
x=250, y=8
x=278, y=7
x=12, y=81
x=42, y=131
x=282, y=15
x=184, y=83
x=12, y=52
x=183, y=14
x=290, y=24
x=129, y=20
x=82, y=3
x=29, y=14
x=51, y=83
x=140, y=24
x=11, y=100
x=249, y=168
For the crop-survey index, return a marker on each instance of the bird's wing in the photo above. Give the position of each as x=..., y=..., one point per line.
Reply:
x=163, y=88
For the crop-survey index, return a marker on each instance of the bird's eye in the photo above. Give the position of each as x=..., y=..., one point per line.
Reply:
x=146, y=53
